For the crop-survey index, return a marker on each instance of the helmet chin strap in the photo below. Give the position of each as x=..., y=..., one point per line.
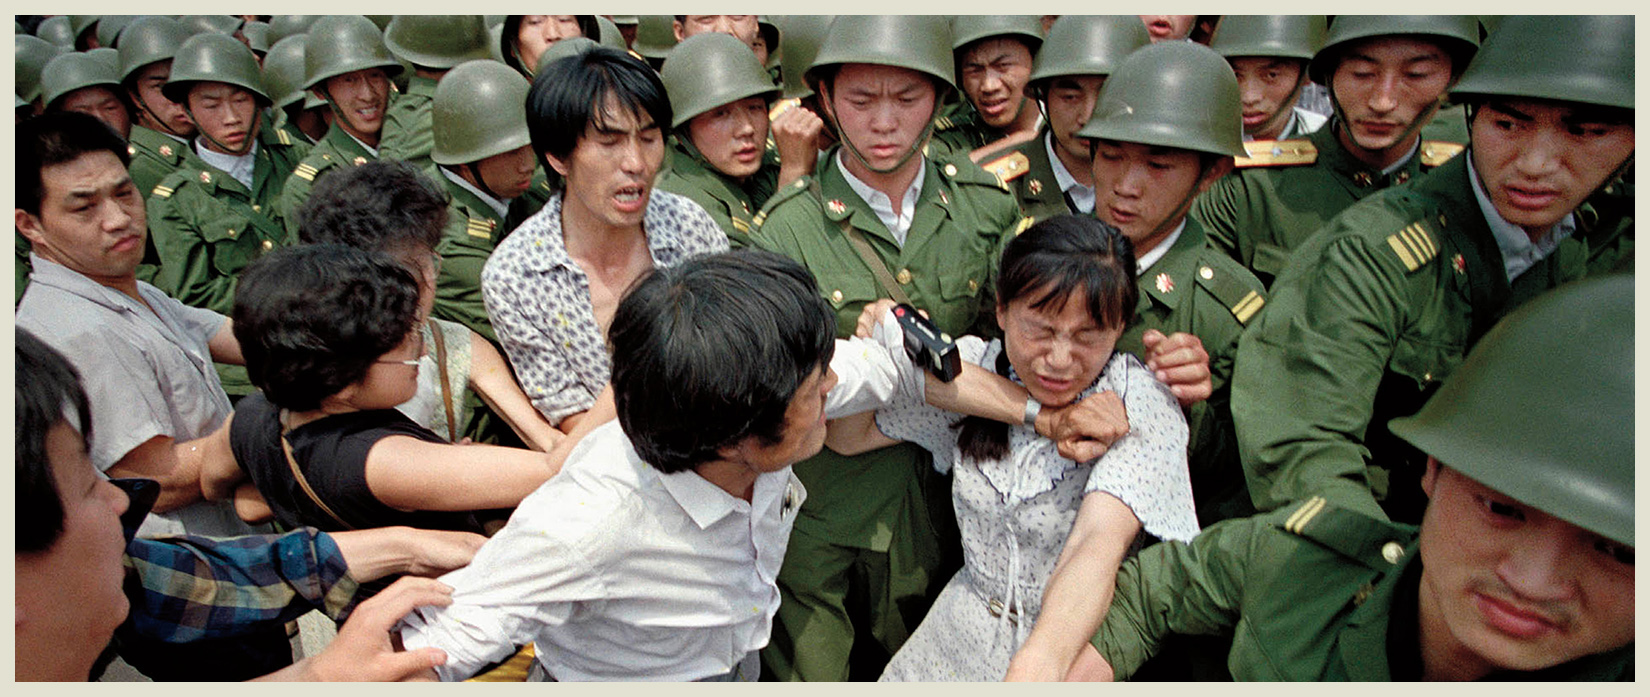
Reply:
x=144, y=105
x=848, y=143
x=481, y=182
x=250, y=132
x=1415, y=125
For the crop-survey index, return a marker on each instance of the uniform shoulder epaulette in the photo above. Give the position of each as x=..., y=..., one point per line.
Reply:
x=1232, y=286
x=162, y=191
x=306, y=171
x=1414, y=245
x=282, y=136
x=478, y=227
x=1278, y=153
x=1008, y=167
x=1437, y=152
x=961, y=170
x=785, y=193
x=1376, y=543
x=174, y=180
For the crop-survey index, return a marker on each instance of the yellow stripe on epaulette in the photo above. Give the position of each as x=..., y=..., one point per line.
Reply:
x=305, y=171
x=756, y=220
x=479, y=228
x=1025, y=222
x=1303, y=515
x=741, y=225
x=1437, y=152
x=943, y=123
x=163, y=191
x=1247, y=307
x=1413, y=246
x=1008, y=167
x=1277, y=153
x=281, y=135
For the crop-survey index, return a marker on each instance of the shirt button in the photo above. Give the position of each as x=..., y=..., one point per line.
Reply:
x=1392, y=552
x=904, y=277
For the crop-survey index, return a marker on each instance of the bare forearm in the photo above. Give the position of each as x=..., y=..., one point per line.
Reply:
x=1080, y=590
x=978, y=392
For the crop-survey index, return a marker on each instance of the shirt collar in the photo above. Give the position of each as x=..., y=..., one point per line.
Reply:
x=1146, y=260
x=704, y=502
x=883, y=206
x=1081, y=195
x=50, y=273
x=1518, y=251
x=499, y=207
x=660, y=224
x=240, y=167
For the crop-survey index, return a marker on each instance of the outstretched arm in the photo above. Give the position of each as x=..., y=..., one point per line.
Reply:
x=364, y=651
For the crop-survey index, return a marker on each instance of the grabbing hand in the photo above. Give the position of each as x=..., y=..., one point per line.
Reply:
x=1085, y=430
x=796, y=136
x=364, y=650
x=1180, y=362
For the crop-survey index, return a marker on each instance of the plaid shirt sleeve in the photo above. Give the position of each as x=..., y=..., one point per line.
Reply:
x=189, y=588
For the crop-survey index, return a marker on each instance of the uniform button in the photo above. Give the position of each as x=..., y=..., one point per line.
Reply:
x=1392, y=552
x=231, y=233
x=1362, y=179
x=1207, y=273
x=904, y=277
x=836, y=296
x=1426, y=378
x=257, y=208
x=1441, y=221
x=1401, y=177
x=268, y=245
x=973, y=285
x=950, y=170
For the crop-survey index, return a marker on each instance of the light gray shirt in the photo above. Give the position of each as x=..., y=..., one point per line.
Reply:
x=240, y=167
x=147, y=372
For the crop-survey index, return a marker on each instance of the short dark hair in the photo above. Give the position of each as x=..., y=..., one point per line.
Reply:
x=711, y=352
x=385, y=205
x=55, y=138
x=572, y=92
x=46, y=383
x=312, y=319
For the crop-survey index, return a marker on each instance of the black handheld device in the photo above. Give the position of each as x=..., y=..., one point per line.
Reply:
x=928, y=346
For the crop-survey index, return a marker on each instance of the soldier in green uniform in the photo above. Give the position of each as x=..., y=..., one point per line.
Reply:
x=295, y=110
x=1387, y=76
x=1051, y=174
x=31, y=54
x=869, y=549
x=1377, y=309
x=654, y=38
x=524, y=38
x=58, y=31
x=719, y=96
x=283, y=26
x=433, y=44
x=1269, y=54
x=111, y=28
x=1522, y=568
x=216, y=213
x=85, y=83
x=345, y=63
x=994, y=55
x=160, y=138
x=803, y=34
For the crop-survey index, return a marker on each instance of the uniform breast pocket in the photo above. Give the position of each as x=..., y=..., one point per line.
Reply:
x=848, y=295
x=1426, y=361
x=234, y=244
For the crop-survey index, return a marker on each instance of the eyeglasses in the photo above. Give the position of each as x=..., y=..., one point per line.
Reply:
x=419, y=351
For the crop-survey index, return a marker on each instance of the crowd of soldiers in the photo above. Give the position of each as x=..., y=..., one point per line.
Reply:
x=1329, y=214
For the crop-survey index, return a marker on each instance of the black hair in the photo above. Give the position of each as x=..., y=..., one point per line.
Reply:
x=384, y=205
x=711, y=352
x=46, y=383
x=312, y=319
x=1047, y=263
x=572, y=92
x=56, y=138
x=510, y=38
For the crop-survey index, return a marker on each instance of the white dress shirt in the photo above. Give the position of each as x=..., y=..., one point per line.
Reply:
x=1082, y=196
x=897, y=221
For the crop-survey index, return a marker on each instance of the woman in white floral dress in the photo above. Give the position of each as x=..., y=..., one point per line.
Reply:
x=1066, y=291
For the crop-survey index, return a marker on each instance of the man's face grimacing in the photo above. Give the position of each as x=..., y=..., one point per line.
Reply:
x=1538, y=160
x=1070, y=102
x=91, y=217
x=1506, y=586
x=1268, y=90
x=226, y=115
x=1385, y=84
x=1145, y=190
x=994, y=73
x=361, y=97
x=882, y=110
x=803, y=433
x=610, y=172
x=732, y=136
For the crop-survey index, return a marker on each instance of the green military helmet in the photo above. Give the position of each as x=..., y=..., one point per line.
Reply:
x=916, y=42
x=609, y=33
x=966, y=29
x=109, y=57
x=283, y=74
x=624, y=20
x=80, y=24
x=510, y=33
x=1542, y=408
x=339, y=44
x=480, y=110
x=31, y=53
x=110, y=27
x=494, y=20
x=564, y=48
x=212, y=24
x=56, y=30
x=803, y=34
x=257, y=36
x=71, y=71
x=654, y=35
x=1174, y=94
x=706, y=71
x=1271, y=36
x=1088, y=45
x=771, y=35
x=282, y=26
x=213, y=57
x=1458, y=34
x=1587, y=59
x=148, y=40
x=438, y=41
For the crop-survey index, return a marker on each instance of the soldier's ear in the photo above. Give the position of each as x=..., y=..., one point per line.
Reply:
x=1430, y=477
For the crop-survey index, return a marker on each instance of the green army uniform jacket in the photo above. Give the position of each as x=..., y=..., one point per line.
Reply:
x=278, y=117
x=1195, y=288
x=1365, y=322
x=1273, y=202
x=473, y=231
x=731, y=204
x=408, y=133
x=336, y=149
x=1028, y=173
x=947, y=266
x=1309, y=593
x=207, y=227
x=154, y=155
